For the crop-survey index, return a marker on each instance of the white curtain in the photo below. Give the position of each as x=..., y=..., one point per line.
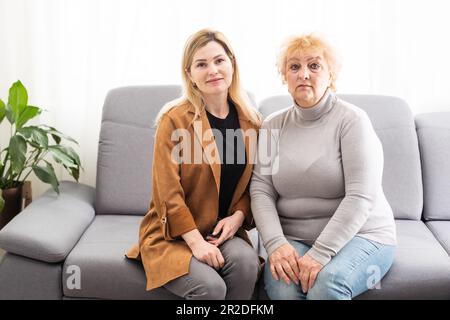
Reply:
x=69, y=53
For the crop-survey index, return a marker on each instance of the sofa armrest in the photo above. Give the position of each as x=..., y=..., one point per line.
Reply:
x=49, y=228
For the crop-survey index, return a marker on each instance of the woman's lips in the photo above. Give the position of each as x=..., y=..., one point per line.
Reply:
x=214, y=80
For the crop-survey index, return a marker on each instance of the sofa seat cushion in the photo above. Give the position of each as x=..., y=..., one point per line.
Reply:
x=421, y=268
x=99, y=259
x=441, y=230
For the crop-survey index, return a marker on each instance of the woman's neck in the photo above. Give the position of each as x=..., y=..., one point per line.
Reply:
x=217, y=105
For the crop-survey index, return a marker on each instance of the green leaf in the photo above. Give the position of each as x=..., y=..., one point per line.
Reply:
x=37, y=135
x=10, y=114
x=2, y=202
x=47, y=175
x=71, y=153
x=17, y=152
x=75, y=173
x=60, y=155
x=56, y=135
x=28, y=113
x=18, y=99
x=2, y=110
x=3, y=183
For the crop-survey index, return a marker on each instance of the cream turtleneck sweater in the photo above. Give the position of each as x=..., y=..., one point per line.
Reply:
x=322, y=185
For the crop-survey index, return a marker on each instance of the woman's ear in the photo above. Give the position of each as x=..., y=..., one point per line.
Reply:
x=188, y=73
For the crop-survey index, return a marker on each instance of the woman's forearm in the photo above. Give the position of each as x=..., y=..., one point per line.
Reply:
x=192, y=237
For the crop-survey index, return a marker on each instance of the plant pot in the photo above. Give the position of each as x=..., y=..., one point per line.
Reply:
x=13, y=205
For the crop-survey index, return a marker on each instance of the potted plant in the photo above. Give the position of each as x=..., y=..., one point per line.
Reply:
x=29, y=150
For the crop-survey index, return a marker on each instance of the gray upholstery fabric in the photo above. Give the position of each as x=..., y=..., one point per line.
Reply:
x=394, y=125
x=51, y=225
x=126, y=148
x=441, y=231
x=421, y=268
x=254, y=238
x=433, y=131
x=24, y=278
x=105, y=271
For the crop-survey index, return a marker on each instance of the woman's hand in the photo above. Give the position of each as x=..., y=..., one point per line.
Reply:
x=309, y=269
x=209, y=254
x=202, y=250
x=283, y=263
x=227, y=227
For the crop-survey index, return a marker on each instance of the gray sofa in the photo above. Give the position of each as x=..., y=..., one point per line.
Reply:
x=72, y=246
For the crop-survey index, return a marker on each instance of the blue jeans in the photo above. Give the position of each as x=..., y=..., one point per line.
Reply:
x=356, y=268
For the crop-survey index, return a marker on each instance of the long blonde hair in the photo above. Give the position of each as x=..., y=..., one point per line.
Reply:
x=192, y=94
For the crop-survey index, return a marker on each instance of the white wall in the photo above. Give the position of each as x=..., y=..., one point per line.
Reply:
x=69, y=53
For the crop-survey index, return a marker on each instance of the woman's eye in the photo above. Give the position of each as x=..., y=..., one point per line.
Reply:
x=220, y=60
x=294, y=67
x=314, y=66
x=201, y=65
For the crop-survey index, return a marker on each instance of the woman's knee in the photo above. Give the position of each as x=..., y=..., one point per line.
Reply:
x=245, y=259
x=279, y=290
x=330, y=285
x=209, y=289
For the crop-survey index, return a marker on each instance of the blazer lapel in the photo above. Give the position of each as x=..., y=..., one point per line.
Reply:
x=209, y=146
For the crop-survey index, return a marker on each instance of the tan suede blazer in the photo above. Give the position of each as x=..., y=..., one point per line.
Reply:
x=185, y=196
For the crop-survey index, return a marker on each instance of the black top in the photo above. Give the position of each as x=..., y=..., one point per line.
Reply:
x=230, y=145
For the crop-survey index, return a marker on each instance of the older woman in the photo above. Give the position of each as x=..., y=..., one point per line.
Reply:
x=191, y=241
x=317, y=200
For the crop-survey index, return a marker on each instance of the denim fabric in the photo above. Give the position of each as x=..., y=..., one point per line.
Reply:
x=357, y=267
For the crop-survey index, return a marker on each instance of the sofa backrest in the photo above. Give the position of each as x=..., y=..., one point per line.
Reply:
x=394, y=124
x=125, y=148
x=433, y=131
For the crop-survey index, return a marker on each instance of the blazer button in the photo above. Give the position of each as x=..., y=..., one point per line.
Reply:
x=164, y=220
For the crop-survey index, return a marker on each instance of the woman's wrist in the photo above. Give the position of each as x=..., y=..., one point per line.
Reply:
x=192, y=237
x=239, y=214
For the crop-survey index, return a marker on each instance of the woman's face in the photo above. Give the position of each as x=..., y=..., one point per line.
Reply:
x=211, y=69
x=308, y=77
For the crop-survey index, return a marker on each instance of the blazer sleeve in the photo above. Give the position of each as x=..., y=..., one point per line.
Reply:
x=168, y=194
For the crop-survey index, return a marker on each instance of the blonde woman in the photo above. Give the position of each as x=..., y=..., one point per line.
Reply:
x=320, y=207
x=192, y=240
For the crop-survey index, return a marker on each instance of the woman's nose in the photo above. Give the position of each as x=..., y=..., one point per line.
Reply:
x=303, y=74
x=213, y=69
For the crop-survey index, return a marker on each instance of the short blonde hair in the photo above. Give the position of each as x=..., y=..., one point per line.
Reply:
x=307, y=43
x=192, y=94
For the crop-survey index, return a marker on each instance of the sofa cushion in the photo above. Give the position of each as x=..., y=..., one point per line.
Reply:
x=433, y=131
x=126, y=148
x=50, y=226
x=441, y=230
x=421, y=269
x=105, y=271
x=394, y=124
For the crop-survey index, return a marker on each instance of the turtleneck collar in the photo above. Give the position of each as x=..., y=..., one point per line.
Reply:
x=317, y=111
